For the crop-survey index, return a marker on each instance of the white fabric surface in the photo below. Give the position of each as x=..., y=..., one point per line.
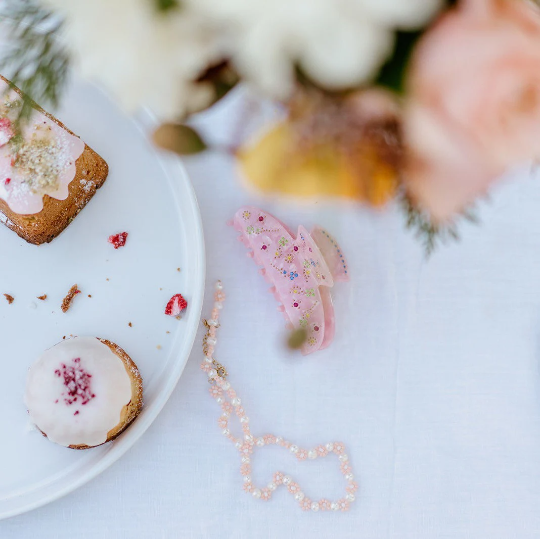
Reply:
x=432, y=382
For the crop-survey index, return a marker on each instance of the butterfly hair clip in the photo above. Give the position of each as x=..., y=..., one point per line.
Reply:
x=301, y=270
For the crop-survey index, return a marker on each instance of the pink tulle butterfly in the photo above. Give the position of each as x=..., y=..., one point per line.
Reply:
x=301, y=268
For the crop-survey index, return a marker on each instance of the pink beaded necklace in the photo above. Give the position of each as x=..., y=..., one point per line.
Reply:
x=229, y=401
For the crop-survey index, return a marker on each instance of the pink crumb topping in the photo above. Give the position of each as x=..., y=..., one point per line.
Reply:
x=77, y=382
x=6, y=131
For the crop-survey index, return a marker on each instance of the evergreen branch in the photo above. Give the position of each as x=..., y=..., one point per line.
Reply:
x=34, y=60
x=432, y=234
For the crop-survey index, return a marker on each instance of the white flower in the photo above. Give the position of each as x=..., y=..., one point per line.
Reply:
x=146, y=57
x=141, y=56
x=338, y=43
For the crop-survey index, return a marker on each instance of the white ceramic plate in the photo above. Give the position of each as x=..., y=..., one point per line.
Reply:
x=148, y=195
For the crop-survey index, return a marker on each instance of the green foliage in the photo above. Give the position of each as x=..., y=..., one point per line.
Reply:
x=34, y=60
x=164, y=6
x=179, y=138
x=296, y=338
x=393, y=73
x=431, y=234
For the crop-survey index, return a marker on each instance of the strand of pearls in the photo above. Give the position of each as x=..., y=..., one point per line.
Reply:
x=230, y=402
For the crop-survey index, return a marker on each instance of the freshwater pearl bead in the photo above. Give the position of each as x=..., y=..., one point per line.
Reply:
x=286, y=480
x=343, y=458
x=208, y=359
x=330, y=446
x=279, y=439
x=312, y=454
x=260, y=442
x=218, y=305
x=212, y=373
x=244, y=419
x=236, y=401
x=226, y=432
x=256, y=493
x=350, y=497
x=247, y=478
x=349, y=477
x=293, y=449
x=219, y=285
x=271, y=486
x=238, y=445
x=299, y=496
x=225, y=386
x=334, y=506
x=211, y=341
x=245, y=460
x=219, y=400
x=314, y=506
x=248, y=438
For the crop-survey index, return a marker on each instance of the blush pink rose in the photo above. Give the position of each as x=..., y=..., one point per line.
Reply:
x=474, y=102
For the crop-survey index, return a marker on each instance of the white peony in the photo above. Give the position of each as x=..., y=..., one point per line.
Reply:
x=141, y=56
x=146, y=57
x=338, y=43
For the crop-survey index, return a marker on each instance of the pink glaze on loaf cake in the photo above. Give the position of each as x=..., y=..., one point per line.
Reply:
x=42, y=163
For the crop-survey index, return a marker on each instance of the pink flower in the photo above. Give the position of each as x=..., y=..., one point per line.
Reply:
x=339, y=448
x=278, y=478
x=305, y=504
x=245, y=469
x=269, y=439
x=345, y=467
x=248, y=487
x=343, y=504
x=321, y=451
x=215, y=391
x=222, y=422
x=352, y=487
x=324, y=505
x=246, y=449
x=302, y=454
x=293, y=488
x=266, y=494
x=227, y=407
x=474, y=102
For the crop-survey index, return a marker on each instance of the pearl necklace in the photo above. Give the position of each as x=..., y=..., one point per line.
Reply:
x=229, y=401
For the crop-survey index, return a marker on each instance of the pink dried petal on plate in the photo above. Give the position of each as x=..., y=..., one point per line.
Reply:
x=118, y=240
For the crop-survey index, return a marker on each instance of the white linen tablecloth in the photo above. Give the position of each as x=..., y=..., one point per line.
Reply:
x=433, y=383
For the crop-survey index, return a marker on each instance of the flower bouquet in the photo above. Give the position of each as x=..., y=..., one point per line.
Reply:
x=429, y=101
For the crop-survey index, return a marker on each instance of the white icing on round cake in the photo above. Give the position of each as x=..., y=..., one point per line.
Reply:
x=76, y=391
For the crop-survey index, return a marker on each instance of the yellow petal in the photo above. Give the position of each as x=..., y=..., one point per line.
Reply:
x=278, y=164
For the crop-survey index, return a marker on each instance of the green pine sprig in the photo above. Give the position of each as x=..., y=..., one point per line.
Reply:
x=34, y=60
x=430, y=233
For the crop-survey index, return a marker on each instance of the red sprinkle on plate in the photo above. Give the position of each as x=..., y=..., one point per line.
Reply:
x=118, y=240
x=176, y=305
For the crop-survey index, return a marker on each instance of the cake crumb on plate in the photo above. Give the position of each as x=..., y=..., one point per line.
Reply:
x=66, y=302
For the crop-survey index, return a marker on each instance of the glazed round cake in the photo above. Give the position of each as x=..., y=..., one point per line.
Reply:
x=83, y=392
